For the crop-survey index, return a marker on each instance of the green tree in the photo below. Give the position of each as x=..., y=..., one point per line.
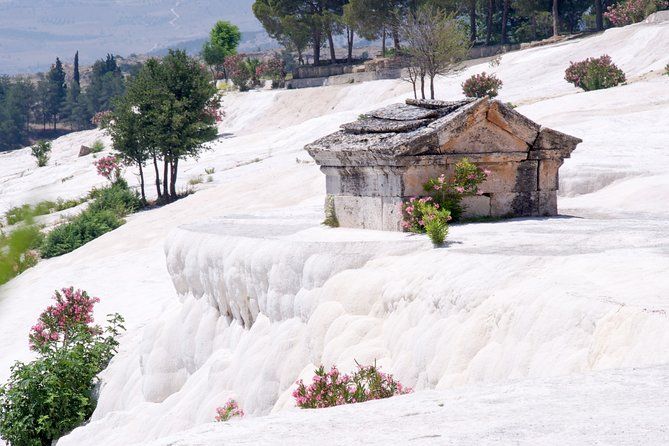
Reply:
x=166, y=114
x=106, y=83
x=223, y=41
x=56, y=92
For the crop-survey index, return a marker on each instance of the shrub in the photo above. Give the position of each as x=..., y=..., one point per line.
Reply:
x=632, y=11
x=330, y=212
x=229, y=410
x=82, y=229
x=109, y=167
x=238, y=71
x=666, y=70
x=101, y=119
x=594, y=73
x=273, y=69
x=98, y=146
x=18, y=250
x=334, y=388
x=104, y=214
x=41, y=150
x=117, y=198
x=52, y=395
x=481, y=85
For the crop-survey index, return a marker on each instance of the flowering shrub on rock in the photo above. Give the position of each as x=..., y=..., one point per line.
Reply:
x=633, y=11
x=108, y=167
x=101, y=119
x=50, y=396
x=273, y=69
x=334, y=388
x=481, y=85
x=229, y=410
x=432, y=213
x=594, y=73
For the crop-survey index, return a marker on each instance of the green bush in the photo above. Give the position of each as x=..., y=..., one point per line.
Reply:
x=104, y=214
x=87, y=226
x=666, y=70
x=41, y=150
x=481, y=85
x=18, y=251
x=117, y=198
x=594, y=73
x=50, y=396
x=98, y=146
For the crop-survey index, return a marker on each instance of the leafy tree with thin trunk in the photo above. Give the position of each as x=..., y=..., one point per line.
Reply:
x=166, y=115
x=436, y=42
x=223, y=41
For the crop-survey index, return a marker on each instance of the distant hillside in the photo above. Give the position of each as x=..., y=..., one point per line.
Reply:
x=95, y=28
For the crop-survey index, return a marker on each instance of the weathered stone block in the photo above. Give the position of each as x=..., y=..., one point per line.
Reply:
x=547, y=203
x=477, y=206
x=359, y=212
x=548, y=174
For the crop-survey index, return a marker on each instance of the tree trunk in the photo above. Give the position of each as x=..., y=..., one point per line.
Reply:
x=141, y=182
x=350, y=35
x=174, y=166
x=505, y=18
x=472, y=20
x=317, y=47
x=155, y=166
x=166, y=191
x=488, y=21
x=383, y=43
x=599, y=20
x=333, y=56
x=396, y=39
x=556, y=26
x=431, y=86
x=422, y=85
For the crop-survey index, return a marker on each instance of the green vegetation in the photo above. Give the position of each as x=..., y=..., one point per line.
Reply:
x=223, y=41
x=21, y=213
x=18, y=250
x=168, y=113
x=41, y=150
x=104, y=214
x=48, y=397
x=98, y=146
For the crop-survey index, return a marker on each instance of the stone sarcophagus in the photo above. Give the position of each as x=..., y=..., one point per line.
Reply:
x=374, y=164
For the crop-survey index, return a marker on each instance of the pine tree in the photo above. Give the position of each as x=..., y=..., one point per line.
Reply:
x=75, y=76
x=56, y=92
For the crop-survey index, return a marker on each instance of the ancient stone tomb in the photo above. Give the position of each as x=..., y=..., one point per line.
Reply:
x=375, y=163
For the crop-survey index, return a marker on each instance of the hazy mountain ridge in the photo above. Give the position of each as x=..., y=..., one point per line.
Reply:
x=34, y=32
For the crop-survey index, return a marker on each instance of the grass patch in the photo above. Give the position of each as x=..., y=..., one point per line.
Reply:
x=21, y=213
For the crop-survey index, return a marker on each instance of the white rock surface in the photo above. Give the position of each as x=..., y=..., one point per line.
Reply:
x=540, y=301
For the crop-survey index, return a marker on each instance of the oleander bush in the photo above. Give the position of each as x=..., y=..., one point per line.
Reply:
x=229, y=410
x=633, y=11
x=443, y=201
x=48, y=397
x=334, y=388
x=594, y=73
x=482, y=85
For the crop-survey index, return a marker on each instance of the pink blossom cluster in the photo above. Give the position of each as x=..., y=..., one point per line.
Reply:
x=274, y=69
x=334, y=388
x=481, y=85
x=108, y=167
x=101, y=119
x=229, y=410
x=72, y=313
x=215, y=112
x=443, y=193
x=594, y=73
x=632, y=11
